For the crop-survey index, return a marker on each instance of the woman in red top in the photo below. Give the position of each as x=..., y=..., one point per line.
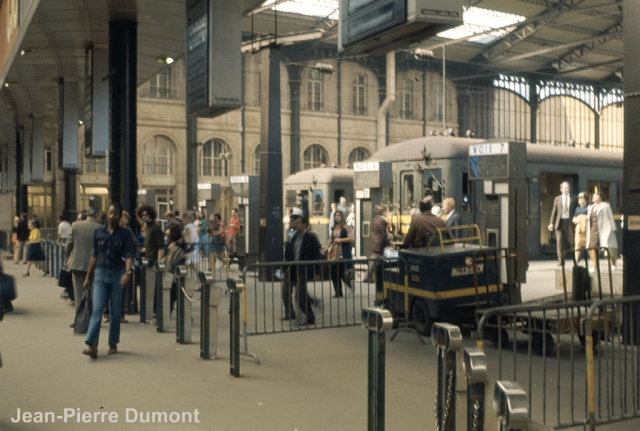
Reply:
x=234, y=228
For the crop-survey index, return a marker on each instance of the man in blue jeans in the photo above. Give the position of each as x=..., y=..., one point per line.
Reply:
x=111, y=260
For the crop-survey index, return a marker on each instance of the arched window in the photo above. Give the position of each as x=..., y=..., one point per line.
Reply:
x=159, y=157
x=358, y=155
x=214, y=158
x=314, y=157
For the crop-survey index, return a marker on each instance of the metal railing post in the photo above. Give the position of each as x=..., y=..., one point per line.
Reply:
x=183, y=306
x=163, y=290
x=147, y=292
x=511, y=406
x=209, y=301
x=377, y=321
x=475, y=367
x=235, y=288
x=448, y=340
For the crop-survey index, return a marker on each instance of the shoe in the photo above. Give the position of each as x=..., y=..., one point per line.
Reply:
x=613, y=267
x=112, y=350
x=368, y=280
x=123, y=320
x=8, y=309
x=105, y=320
x=290, y=317
x=310, y=321
x=45, y=273
x=592, y=270
x=91, y=351
x=338, y=296
x=72, y=325
x=154, y=315
x=26, y=275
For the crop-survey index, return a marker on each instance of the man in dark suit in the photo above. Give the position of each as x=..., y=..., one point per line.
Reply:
x=303, y=245
x=563, y=208
x=451, y=216
x=379, y=240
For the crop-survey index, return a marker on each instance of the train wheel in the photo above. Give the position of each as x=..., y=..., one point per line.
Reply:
x=388, y=306
x=421, y=318
x=537, y=344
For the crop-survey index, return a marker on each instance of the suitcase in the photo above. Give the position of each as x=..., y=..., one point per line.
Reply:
x=581, y=284
x=8, y=291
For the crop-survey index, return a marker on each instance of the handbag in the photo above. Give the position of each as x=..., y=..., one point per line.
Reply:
x=332, y=252
x=66, y=279
x=83, y=315
x=8, y=291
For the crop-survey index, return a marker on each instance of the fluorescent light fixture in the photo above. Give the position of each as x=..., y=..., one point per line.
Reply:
x=316, y=8
x=478, y=20
x=165, y=59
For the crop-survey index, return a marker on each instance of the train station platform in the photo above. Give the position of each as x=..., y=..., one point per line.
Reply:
x=307, y=380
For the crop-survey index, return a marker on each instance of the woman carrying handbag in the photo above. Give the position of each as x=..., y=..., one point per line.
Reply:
x=340, y=249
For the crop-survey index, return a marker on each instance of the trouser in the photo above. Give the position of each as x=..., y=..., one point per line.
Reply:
x=338, y=274
x=564, y=234
x=300, y=283
x=22, y=251
x=106, y=288
x=373, y=264
x=78, y=281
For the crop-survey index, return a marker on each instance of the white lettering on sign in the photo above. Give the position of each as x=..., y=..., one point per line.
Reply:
x=240, y=179
x=458, y=271
x=366, y=166
x=633, y=222
x=488, y=149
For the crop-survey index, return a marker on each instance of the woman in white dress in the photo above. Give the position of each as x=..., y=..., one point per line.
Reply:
x=601, y=230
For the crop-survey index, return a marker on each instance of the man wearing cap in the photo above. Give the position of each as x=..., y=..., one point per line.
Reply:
x=303, y=245
x=79, y=246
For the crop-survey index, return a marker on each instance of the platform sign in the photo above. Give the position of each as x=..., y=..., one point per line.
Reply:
x=372, y=175
x=380, y=26
x=489, y=161
x=213, y=57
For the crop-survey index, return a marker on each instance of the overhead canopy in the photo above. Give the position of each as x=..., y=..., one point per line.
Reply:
x=580, y=39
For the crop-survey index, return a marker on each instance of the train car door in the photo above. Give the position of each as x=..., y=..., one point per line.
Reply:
x=372, y=181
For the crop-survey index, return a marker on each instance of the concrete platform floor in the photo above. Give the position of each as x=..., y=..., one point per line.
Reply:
x=313, y=380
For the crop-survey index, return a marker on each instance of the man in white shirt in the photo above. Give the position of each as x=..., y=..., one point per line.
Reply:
x=563, y=208
x=63, y=230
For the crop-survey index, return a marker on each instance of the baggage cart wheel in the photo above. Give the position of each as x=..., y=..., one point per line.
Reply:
x=500, y=339
x=537, y=344
x=420, y=317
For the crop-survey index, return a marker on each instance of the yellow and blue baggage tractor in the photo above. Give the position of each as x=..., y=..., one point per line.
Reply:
x=448, y=282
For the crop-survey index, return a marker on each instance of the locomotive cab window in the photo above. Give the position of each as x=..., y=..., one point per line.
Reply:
x=407, y=198
x=432, y=180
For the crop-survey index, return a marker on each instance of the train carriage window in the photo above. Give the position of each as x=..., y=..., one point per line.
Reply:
x=433, y=184
x=407, y=199
x=603, y=187
x=318, y=202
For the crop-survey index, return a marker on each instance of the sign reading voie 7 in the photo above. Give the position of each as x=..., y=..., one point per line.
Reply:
x=489, y=161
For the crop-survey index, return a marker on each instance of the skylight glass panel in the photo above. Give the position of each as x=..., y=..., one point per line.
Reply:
x=317, y=8
x=478, y=20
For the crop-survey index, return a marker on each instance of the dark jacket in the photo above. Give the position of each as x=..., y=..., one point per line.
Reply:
x=23, y=230
x=556, y=211
x=310, y=250
x=154, y=240
x=421, y=225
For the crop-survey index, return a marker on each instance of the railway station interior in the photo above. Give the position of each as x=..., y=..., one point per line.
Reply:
x=211, y=105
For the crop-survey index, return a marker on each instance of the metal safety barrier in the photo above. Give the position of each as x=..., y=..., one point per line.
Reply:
x=578, y=361
x=55, y=256
x=448, y=341
x=208, y=257
x=147, y=291
x=235, y=289
x=185, y=289
x=163, y=282
x=209, y=302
